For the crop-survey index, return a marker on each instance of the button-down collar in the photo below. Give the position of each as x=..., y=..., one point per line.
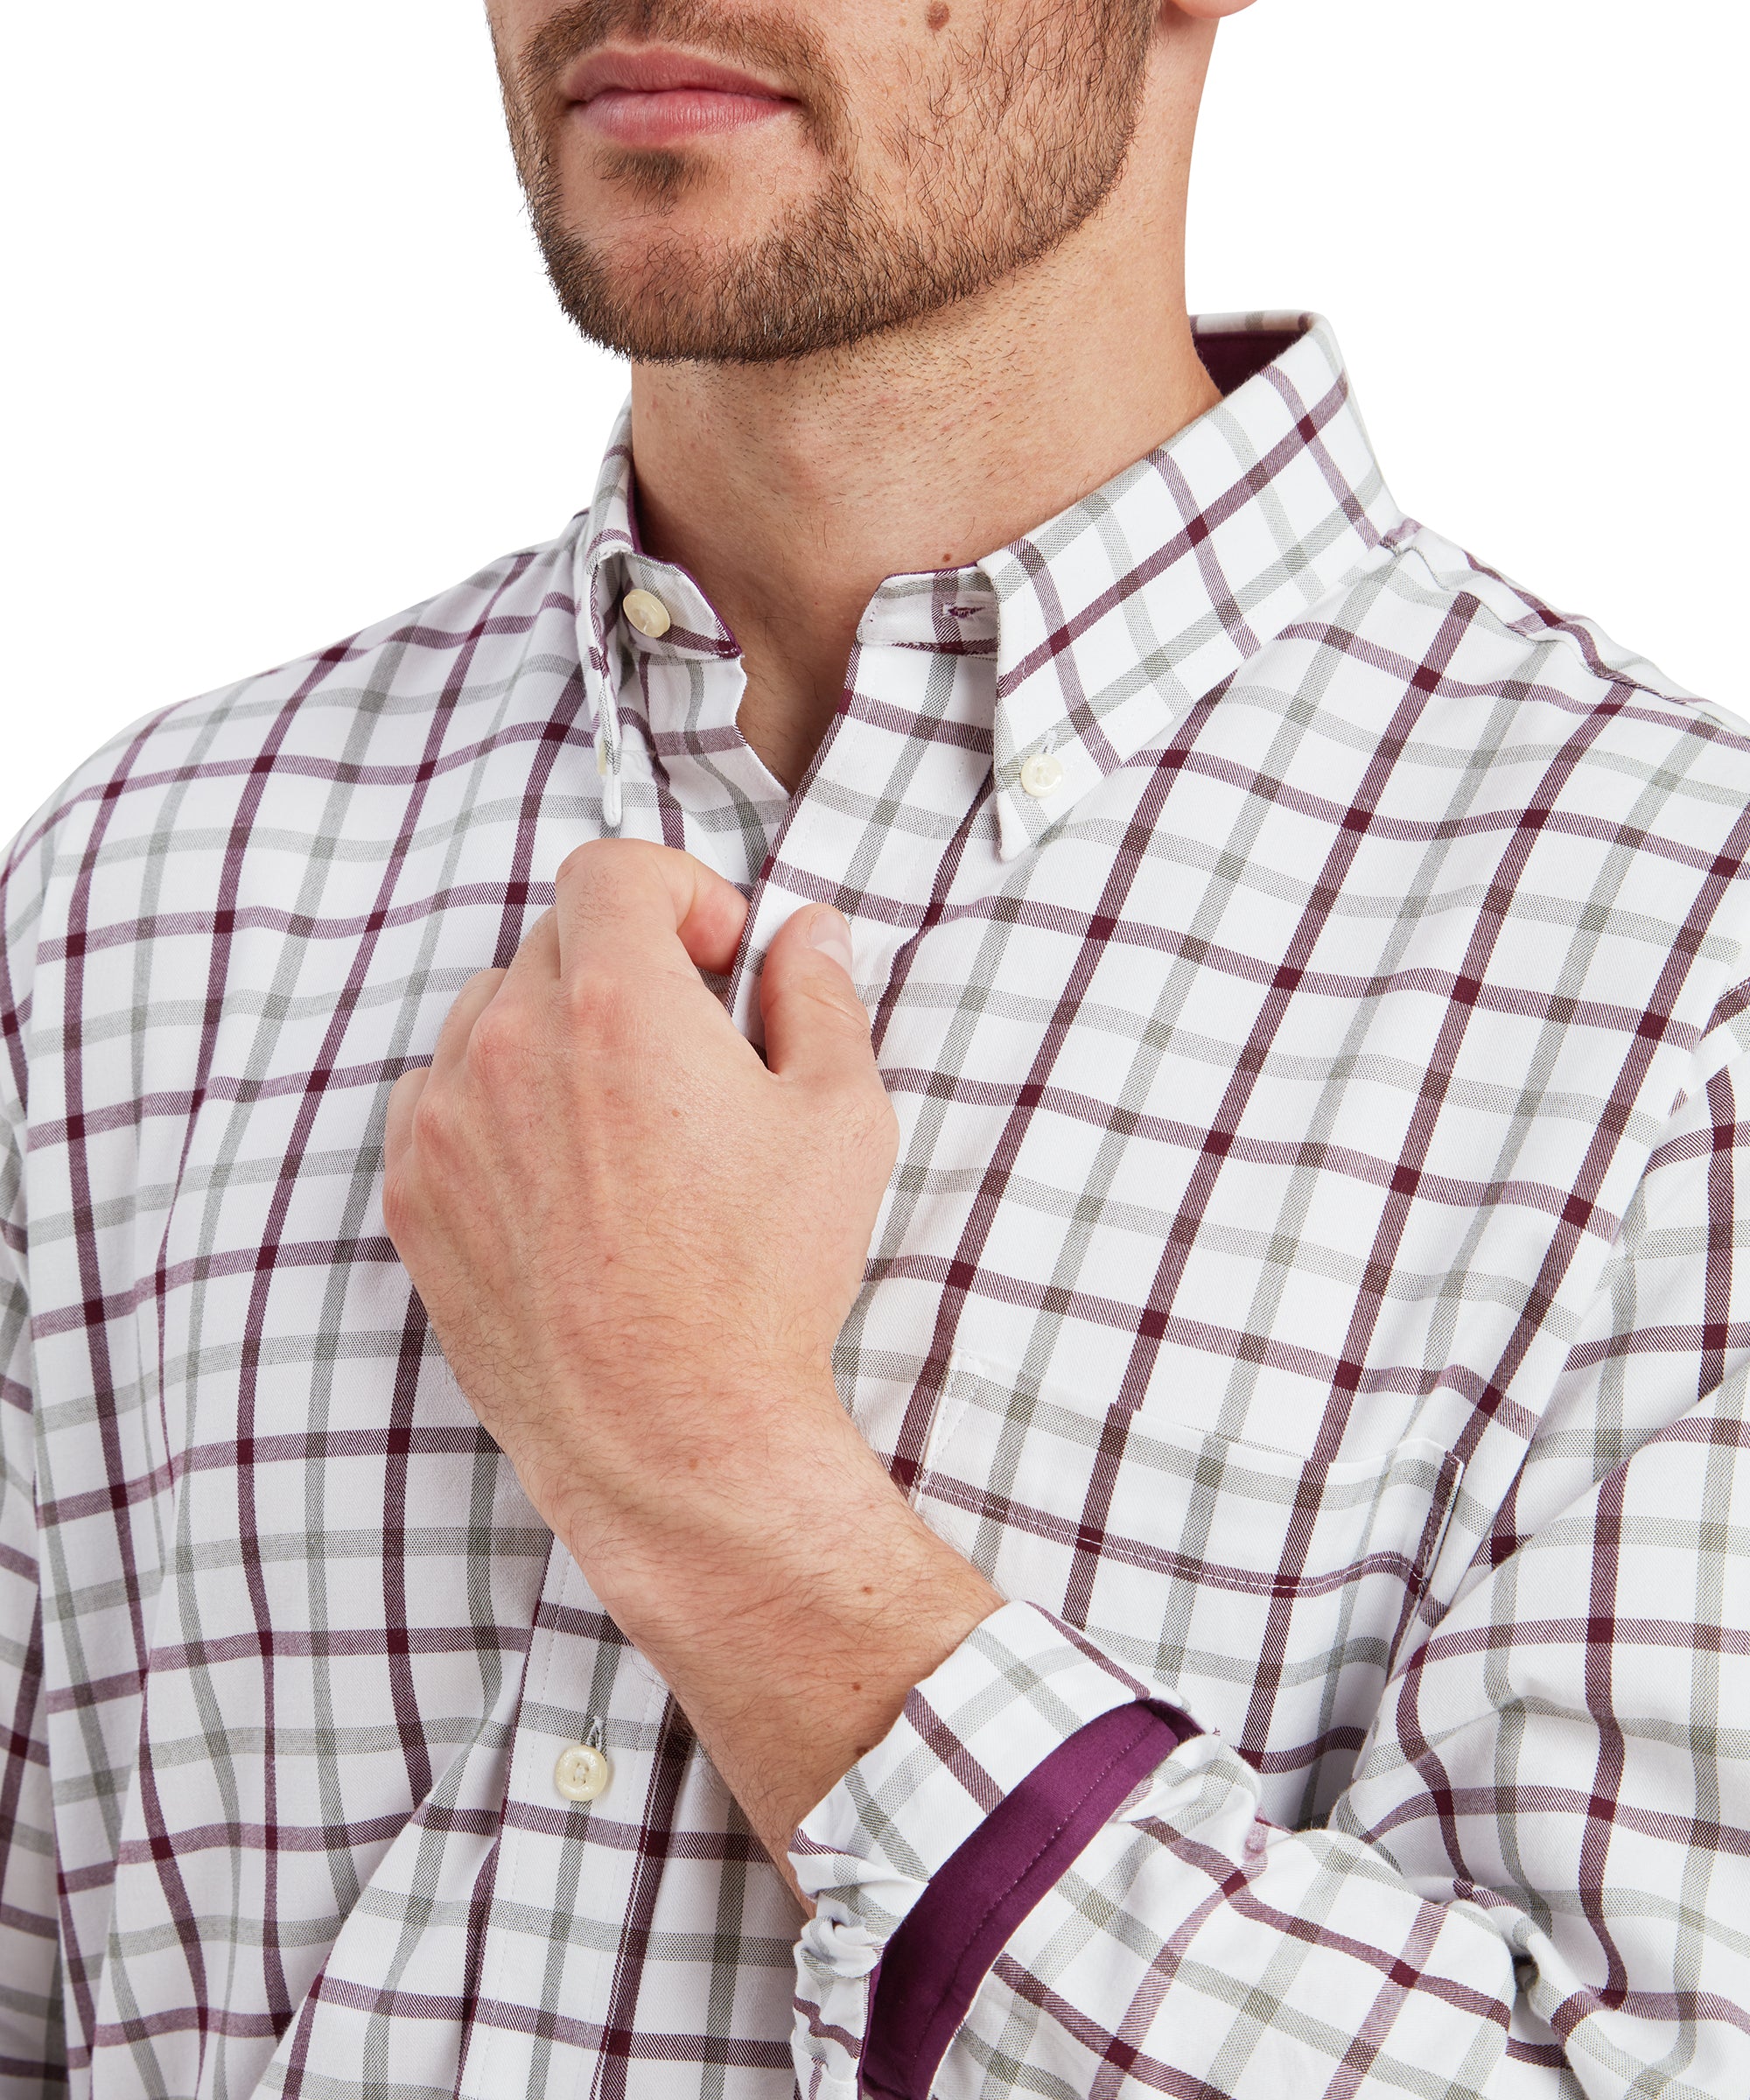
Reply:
x=1108, y=622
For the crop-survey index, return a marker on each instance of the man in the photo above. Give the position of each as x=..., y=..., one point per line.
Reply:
x=1160, y=1455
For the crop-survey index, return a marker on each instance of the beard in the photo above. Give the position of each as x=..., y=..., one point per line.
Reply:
x=1004, y=149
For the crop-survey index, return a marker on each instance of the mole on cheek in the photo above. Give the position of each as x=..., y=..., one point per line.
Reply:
x=937, y=16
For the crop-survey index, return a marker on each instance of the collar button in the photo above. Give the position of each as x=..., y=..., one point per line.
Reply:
x=646, y=612
x=1042, y=774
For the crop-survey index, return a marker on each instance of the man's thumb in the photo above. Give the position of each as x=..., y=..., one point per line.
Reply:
x=817, y=1028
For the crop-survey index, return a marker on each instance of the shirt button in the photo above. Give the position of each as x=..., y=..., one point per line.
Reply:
x=1042, y=774
x=646, y=612
x=582, y=1773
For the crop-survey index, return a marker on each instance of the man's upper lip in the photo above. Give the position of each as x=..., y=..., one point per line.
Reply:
x=651, y=70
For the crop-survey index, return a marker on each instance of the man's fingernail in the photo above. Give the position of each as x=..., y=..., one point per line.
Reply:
x=828, y=933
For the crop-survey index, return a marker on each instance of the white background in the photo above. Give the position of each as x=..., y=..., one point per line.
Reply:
x=280, y=358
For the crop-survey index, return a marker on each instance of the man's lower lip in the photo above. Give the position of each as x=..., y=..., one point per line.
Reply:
x=638, y=117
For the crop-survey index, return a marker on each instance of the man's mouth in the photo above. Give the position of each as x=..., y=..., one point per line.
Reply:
x=656, y=97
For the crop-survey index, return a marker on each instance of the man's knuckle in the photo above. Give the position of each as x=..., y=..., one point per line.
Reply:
x=496, y=1043
x=432, y=1126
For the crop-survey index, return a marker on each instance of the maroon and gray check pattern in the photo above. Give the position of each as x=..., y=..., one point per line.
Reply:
x=1310, y=1288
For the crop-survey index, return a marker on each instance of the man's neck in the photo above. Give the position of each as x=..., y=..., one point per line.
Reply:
x=791, y=491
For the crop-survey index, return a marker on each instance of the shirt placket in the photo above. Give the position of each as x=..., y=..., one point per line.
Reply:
x=559, y=1882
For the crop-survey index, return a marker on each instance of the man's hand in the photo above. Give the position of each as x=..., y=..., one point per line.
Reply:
x=637, y=1242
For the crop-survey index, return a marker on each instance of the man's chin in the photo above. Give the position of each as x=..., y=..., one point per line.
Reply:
x=665, y=302
x=668, y=294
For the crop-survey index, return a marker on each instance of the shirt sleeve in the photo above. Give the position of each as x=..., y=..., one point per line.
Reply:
x=1537, y=1883
x=31, y=2057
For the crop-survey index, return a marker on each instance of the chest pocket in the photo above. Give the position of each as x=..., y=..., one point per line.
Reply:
x=1272, y=1591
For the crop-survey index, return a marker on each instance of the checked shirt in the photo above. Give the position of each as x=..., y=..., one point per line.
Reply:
x=1309, y=1288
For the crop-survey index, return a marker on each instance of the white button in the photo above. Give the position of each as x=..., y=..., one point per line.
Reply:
x=646, y=612
x=581, y=1773
x=1042, y=774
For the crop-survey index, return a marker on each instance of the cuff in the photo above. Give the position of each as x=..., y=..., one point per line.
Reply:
x=925, y=1858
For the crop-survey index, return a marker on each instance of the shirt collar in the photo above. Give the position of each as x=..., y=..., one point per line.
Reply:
x=610, y=562
x=1112, y=620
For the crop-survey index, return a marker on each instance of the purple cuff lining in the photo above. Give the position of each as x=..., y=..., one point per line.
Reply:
x=934, y=1964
